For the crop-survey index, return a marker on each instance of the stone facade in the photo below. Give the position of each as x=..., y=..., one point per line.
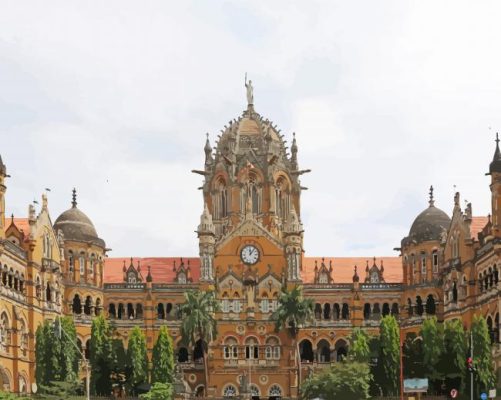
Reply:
x=250, y=246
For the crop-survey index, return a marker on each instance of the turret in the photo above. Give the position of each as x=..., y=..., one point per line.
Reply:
x=206, y=238
x=3, y=188
x=495, y=173
x=208, y=153
x=293, y=230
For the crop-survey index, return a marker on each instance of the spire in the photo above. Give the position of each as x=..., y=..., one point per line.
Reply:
x=431, y=202
x=74, y=198
x=206, y=225
x=294, y=151
x=495, y=165
x=208, y=151
x=3, y=168
x=356, y=278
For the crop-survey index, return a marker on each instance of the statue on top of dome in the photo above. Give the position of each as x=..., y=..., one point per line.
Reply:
x=250, y=91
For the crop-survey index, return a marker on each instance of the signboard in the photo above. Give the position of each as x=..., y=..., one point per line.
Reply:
x=415, y=385
x=454, y=393
x=483, y=396
x=492, y=393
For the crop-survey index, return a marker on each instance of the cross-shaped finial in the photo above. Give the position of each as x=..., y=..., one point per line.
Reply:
x=74, y=198
x=497, y=138
x=432, y=200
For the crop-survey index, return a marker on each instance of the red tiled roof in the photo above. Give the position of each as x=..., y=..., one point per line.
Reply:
x=477, y=225
x=162, y=268
x=342, y=268
x=22, y=224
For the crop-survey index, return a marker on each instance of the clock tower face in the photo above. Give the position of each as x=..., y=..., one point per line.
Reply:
x=249, y=255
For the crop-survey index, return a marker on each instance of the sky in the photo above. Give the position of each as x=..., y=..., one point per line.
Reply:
x=114, y=98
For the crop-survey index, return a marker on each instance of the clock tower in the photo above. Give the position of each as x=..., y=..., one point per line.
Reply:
x=251, y=245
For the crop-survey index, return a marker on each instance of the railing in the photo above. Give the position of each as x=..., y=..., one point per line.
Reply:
x=12, y=248
x=381, y=286
x=121, y=286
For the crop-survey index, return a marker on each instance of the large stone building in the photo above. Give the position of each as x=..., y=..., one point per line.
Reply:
x=250, y=246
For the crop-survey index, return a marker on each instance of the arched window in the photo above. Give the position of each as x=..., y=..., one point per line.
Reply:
x=386, y=309
x=272, y=348
x=230, y=348
x=4, y=333
x=92, y=262
x=430, y=305
x=225, y=303
x=112, y=312
x=434, y=260
x=71, y=262
x=282, y=198
x=327, y=311
x=182, y=355
x=160, y=311
x=336, y=311
x=367, y=311
x=265, y=304
x=24, y=338
x=251, y=349
x=221, y=200
x=341, y=349
x=345, y=312
x=376, y=310
x=48, y=293
x=423, y=263
x=230, y=391
x=454, y=292
x=410, y=309
x=235, y=304
x=394, y=309
x=306, y=351
x=97, y=308
x=318, y=311
x=11, y=278
x=130, y=311
x=139, y=311
x=81, y=262
x=88, y=305
x=275, y=391
x=168, y=309
x=198, y=351
x=121, y=311
x=419, y=306
x=323, y=351
x=490, y=328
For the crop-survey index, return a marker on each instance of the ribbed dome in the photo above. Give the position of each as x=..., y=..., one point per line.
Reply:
x=429, y=225
x=77, y=226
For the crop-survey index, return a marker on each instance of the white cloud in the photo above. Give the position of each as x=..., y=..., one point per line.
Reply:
x=114, y=98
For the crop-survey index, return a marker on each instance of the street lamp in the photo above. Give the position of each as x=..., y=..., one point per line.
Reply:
x=59, y=331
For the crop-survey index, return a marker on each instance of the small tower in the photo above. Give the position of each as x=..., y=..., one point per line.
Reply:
x=293, y=231
x=3, y=188
x=294, y=152
x=495, y=173
x=208, y=154
x=206, y=240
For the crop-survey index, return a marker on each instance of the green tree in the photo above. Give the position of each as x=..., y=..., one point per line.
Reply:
x=292, y=313
x=454, y=355
x=10, y=396
x=163, y=358
x=360, y=346
x=118, y=374
x=346, y=380
x=199, y=323
x=159, y=391
x=100, y=356
x=413, y=357
x=56, y=353
x=389, y=355
x=482, y=354
x=433, y=348
x=137, y=359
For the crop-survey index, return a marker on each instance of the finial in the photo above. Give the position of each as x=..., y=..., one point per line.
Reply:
x=74, y=198
x=431, y=202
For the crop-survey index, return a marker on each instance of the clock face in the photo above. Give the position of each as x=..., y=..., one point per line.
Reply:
x=249, y=255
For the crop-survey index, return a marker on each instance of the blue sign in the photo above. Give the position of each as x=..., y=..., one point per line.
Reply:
x=483, y=396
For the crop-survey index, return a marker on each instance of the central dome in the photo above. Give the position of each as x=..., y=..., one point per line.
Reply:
x=75, y=225
x=429, y=225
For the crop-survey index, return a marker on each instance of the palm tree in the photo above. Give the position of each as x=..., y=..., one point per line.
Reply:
x=198, y=322
x=292, y=313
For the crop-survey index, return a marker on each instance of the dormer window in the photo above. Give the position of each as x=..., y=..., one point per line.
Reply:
x=131, y=278
x=435, y=261
x=323, y=278
x=181, y=278
x=374, y=277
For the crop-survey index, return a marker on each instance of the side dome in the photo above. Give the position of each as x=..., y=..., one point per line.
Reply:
x=75, y=225
x=429, y=225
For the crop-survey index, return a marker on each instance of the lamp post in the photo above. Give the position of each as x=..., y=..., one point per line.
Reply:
x=58, y=328
x=401, y=363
